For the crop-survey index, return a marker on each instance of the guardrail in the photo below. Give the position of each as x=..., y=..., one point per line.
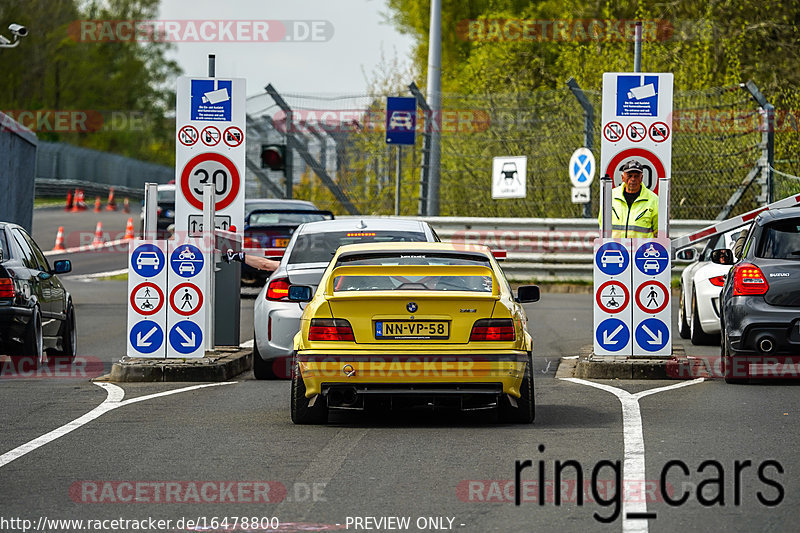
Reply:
x=541, y=249
x=51, y=187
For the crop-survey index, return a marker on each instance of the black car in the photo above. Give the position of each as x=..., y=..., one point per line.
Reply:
x=760, y=301
x=268, y=228
x=36, y=311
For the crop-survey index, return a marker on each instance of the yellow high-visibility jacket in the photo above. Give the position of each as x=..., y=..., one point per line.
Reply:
x=640, y=221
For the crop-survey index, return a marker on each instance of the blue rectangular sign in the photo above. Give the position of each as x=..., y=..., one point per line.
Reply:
x=637, y=96
x=211, y=100
x=401, y=120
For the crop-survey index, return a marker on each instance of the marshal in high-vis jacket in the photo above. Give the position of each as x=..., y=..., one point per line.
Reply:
x=640, y=221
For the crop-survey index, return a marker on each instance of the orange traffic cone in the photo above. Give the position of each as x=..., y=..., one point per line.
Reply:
x=69, y=201
x=79, y=204
x=96, y=204
x=111, y=205
x=98, y=235
x=126, y=206
x=59, y=240
x=129, y=231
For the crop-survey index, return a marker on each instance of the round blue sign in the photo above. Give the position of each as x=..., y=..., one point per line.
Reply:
x=612, y=258
x=147, y=260
x=613, y=334
x=186, y=260
x=185, y=337
x=651, y=258
x=146, y=336
x=652, y=334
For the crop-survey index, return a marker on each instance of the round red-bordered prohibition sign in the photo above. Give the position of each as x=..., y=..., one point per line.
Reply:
x=625, y=294
x=663, y=291
x=234, y=133
x=194, y=308
x=651, y=158
x=192, y=165
x=613, y=134
x=156, y=308
x=188, y=135
x=210, y=136
x=636, y=132
x=662, y=129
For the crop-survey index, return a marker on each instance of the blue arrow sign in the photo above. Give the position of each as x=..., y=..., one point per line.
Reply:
x=147, y=260
x=146, y=336
x=185, y=337
x=401, y=120
x=651, y=258
x=613, y=334
x=652, y=334
x=612, y=258
x=186, y=260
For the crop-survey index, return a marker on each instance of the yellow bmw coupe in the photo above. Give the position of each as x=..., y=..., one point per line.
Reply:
x=435, y=324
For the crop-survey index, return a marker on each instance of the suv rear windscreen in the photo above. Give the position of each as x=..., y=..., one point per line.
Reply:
x=780, y=240
x=320, y=247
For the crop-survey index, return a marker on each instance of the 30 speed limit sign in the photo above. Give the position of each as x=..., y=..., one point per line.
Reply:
x=213, y=169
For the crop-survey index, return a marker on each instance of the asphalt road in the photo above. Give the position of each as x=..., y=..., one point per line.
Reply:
x=210, y=452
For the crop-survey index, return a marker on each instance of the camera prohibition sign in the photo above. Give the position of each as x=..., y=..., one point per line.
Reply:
x=214, y=169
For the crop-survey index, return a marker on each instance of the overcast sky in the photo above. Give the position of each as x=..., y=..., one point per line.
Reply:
x=335, y=65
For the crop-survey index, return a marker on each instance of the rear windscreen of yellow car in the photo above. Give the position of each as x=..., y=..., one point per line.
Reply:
x=403, y=282
x=320, y=247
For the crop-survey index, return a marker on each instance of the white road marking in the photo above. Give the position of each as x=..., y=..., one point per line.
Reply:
x=113, y=401
x=90, y=277
x=86, y=248
x=326, y=463
x=570, y=357
x=633, y=442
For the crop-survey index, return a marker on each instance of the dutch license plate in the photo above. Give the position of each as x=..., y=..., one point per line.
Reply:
x=412, y=329
x=280, y=243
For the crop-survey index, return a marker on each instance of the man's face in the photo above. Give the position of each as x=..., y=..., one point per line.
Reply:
x=632, y=180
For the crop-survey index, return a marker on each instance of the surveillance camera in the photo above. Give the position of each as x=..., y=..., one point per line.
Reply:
x=18, y=30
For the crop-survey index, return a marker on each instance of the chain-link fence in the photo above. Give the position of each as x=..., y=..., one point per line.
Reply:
x=719, y=140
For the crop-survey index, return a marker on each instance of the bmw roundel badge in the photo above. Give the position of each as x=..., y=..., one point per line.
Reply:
x=411, y=307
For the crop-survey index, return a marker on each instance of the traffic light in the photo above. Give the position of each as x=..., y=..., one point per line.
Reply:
x=273, y=156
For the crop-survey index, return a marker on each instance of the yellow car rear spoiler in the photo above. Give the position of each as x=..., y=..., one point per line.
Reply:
x=411, y=270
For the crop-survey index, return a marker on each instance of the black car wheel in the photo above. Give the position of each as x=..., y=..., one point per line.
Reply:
x=683, y=330
x=69, y=335
x=697, y=334
x=32, y=348
x=261, y=369
x=302, y=411
x=525, y=412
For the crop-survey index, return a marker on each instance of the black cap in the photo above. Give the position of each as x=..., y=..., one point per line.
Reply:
x=633, y=164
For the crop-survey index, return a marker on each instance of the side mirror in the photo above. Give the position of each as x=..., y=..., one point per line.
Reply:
x=62, y=266
x=528, y=294
x=722, y=257
x=687, y=254
x=300, y=293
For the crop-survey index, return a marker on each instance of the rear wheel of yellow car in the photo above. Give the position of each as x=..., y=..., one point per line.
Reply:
x=302, y=412
x=525, y=411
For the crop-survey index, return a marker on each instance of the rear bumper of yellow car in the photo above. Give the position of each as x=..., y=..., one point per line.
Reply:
x=413, y=374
